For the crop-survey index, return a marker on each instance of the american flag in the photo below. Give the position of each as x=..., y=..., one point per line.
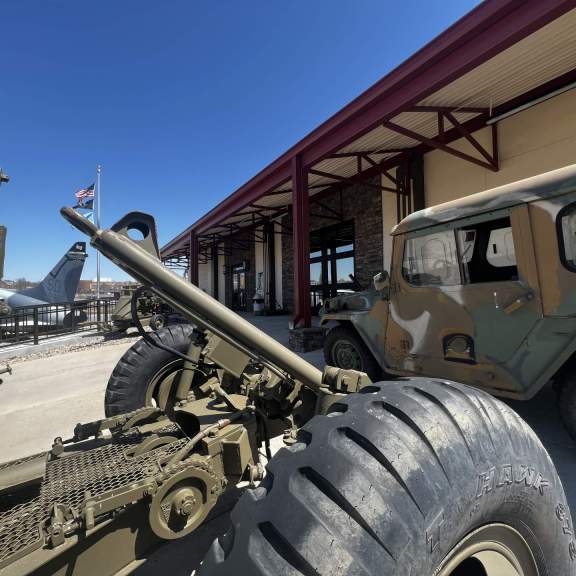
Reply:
x=85, y=193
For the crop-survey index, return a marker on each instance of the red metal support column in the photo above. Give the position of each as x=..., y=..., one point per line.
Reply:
x=301, y=241
x=193, y=258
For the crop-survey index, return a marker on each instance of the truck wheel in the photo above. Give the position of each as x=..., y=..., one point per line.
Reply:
x=157, y=322
x=344, y=348
x=415, y=477
x=136, y=379
x=566, y=398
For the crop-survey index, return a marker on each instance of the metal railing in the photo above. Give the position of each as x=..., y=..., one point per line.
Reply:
x=35, y=323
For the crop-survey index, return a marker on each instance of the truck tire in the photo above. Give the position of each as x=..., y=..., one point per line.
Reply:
x=417, y=477
x=566, y=398
x=157, y=322
x=345, y=349
x=138, y=374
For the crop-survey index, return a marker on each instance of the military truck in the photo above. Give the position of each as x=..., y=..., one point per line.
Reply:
x=151, y=310
x=481, y=290
x=422, y=477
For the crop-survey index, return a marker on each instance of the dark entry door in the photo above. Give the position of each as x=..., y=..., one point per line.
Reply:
x=239, y=287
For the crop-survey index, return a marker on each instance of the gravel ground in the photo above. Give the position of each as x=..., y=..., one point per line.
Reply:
x=63, y=346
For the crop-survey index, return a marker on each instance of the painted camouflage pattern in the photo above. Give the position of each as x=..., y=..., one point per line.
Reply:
x=523, y=330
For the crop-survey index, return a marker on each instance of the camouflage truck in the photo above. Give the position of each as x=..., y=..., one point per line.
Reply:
x=149, y=307
x=480, y=289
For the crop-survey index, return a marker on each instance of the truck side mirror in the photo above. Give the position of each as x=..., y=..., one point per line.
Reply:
x=382, y=280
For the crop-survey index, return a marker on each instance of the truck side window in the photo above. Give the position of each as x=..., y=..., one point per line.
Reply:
x=431, y=260
x=487, y=252
x=567, y=229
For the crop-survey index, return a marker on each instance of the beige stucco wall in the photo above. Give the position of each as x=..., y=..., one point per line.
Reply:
x=389, y=220
x=537, y=140
x=278, y=261
x=221, y=276
x=205, y=277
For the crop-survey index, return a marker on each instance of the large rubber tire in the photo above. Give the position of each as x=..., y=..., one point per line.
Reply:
x=566, y=398
x=391, y=482
x=141, y=366
x=344, y=336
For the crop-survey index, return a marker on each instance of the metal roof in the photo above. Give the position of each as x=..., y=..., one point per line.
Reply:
x=497, y=53
x=544, y=186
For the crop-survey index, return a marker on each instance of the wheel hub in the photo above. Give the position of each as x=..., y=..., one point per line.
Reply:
x=493, y=550
x=346, y=355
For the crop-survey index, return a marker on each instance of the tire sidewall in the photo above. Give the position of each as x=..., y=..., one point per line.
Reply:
x=129, y=383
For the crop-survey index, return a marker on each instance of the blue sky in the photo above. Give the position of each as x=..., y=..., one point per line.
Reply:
x=181, y=101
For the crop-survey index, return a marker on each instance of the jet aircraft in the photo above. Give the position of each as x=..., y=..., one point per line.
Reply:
x=58, y=287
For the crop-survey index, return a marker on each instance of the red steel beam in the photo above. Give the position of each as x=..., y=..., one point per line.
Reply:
x=365, y=153
x=465, y=134
x=350, y=180
x=301, y=245
x=489, y=29
x=438, y=145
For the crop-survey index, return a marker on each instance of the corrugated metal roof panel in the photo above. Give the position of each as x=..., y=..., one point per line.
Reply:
x=544, y=55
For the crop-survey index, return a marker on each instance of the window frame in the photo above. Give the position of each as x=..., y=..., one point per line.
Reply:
x=461, y=223
x=560, y=236
x=456, y=250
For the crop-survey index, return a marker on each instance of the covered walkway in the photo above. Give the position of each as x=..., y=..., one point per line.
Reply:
x=450, y=98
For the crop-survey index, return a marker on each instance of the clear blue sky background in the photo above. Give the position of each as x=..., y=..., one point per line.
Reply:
x=181, y=101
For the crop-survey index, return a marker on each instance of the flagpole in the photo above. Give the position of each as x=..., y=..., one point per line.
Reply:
x=98, y=192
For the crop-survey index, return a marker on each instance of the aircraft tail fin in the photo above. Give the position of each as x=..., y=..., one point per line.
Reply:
x=61, y=284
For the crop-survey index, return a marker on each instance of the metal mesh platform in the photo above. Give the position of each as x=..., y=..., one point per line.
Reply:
x=66, y=481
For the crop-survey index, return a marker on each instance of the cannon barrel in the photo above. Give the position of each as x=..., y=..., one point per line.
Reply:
x=144, y=265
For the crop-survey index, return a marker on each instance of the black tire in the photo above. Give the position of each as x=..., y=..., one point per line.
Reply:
x=566, y=398
x=343, y=336
x=133, y=375
x=157, y=322
x=392, y=481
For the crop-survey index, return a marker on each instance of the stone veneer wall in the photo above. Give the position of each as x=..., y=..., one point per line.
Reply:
x=359, y=203
x=235, y=256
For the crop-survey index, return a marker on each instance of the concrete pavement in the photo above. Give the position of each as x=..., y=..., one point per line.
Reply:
x=47, y=397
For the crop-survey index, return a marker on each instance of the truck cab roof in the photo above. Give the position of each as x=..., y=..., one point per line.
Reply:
x=541, y=187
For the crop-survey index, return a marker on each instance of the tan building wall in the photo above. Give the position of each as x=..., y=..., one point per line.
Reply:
x=278, y=261
x=205, y=277
x=389, y=220
x=221, y=276
x=536, y=140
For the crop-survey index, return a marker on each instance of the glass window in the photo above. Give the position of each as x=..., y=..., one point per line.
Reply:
x=487, y=252
x=316, y=273
x=431, y=260
x=344, y=267
x=568, y=236
x=347, y=248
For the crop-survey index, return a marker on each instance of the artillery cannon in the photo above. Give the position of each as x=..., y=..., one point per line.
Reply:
x=406, y=477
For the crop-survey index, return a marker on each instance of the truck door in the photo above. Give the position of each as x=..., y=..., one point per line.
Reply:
x=462, y=301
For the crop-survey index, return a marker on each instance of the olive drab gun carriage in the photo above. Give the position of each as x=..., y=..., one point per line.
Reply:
x=420, y=477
